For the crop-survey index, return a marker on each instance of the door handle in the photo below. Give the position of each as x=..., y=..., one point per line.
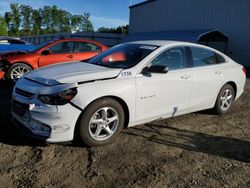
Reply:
x=185, y=76
x=70, y=56
x=218, y=72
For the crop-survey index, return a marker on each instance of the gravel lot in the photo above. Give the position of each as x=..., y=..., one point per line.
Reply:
x=194, y=150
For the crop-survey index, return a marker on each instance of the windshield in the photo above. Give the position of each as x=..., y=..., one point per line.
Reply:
x=123, y=56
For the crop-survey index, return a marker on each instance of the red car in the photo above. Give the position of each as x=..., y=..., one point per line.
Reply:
x=13, y=65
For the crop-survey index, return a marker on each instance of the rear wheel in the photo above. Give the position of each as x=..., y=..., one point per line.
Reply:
x=101, y=122
x=17, y=70
x=224, y=100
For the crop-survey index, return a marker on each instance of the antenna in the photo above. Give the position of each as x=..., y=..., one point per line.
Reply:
x=130, y=3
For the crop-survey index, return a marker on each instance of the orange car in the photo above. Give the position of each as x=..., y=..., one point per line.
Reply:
x=14, y=64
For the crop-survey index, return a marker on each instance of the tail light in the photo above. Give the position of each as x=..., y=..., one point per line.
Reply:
x=244, y=70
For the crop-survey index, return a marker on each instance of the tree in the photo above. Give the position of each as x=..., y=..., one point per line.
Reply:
x=64, y=21
x=36, y=20
x=122, y=29
x=46, y=19
x=119, y=30
x=3, y=27
x=103, y=30
x=87, y=26
x=75, y=22
x=60, y=20
x=15, y=18
x=7, y=18
x=24, y=20
x=26, y=12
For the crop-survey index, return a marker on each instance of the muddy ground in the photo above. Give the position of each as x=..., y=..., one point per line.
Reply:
x=195, y=150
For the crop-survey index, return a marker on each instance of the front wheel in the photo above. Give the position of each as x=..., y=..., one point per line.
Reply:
x=101, y=122
x=224, y=100
x=17, y=70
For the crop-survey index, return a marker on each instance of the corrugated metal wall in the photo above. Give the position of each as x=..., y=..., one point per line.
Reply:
x=232, y=17
x=109, y=39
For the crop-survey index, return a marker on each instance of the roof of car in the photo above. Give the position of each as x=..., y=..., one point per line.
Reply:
x=10, y=38
x=61, y=39
x=7, y=37
x=162, y=43
x=157, y=42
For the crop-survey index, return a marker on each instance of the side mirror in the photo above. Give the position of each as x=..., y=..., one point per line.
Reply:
x=161, y=69
x=46, y=52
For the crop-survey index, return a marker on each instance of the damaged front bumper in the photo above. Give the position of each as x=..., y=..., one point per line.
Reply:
x=49, y=123
x=4, y=65
x=2, y=74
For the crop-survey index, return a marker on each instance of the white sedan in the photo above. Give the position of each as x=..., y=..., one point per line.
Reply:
x=128, y=85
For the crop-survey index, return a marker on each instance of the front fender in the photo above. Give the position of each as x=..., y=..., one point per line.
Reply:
x=122, y=89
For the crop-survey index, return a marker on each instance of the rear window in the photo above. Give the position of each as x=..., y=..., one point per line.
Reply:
x=86, y=47
x=204, y=57
x=220, y=59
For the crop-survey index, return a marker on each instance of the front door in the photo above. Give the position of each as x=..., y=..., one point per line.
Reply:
x=165, y=94
x=60, y=52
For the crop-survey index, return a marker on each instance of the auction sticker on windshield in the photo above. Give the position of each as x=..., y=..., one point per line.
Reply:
x=148, y=47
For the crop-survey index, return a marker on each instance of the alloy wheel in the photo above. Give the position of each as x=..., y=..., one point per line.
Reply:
x=18, y=72
x=226, y=99
x=103, y=124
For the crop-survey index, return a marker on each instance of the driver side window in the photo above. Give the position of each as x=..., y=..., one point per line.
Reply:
x=174, y=58
x=62, y=48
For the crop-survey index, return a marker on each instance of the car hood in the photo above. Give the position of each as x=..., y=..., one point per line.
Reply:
x=71, y=72
x=11, y=53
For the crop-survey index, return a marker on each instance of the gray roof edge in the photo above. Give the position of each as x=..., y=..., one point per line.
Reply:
x=142, y=3
x=191, y=35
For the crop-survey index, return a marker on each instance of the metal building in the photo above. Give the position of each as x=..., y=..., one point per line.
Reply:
x=231, y=17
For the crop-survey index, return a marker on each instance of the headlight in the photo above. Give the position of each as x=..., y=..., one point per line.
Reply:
x=59, y=98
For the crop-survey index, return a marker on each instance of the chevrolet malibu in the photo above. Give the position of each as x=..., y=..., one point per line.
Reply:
x=127, y=85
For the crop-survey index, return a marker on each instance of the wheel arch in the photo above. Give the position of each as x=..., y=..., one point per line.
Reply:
x=125, y=108
x=233, y=84
x=118, y=99
x=22, y=62
x=8, y=69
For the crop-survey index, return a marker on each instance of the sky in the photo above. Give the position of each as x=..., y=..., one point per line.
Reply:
x=104, y=13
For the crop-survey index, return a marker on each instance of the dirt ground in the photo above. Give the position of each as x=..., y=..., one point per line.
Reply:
x=195, y=150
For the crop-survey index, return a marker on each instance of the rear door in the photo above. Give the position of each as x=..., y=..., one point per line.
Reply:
x=60, y=52
x=208, y=77
x=86, y=50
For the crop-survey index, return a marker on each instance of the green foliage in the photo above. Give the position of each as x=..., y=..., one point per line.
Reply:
x=36, y=22
x=7, y=18
x=118, y=30
x=3, y=27
x=15, y=16
x=24, y=20
x=76, y=21
x=26, y=12
x=86, y=24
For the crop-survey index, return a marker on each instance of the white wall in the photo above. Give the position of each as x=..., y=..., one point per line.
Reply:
x=231, y=17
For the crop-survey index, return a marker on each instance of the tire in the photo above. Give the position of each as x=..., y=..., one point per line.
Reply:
x=16, y=68
x=101, y=122
x=221, y=106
